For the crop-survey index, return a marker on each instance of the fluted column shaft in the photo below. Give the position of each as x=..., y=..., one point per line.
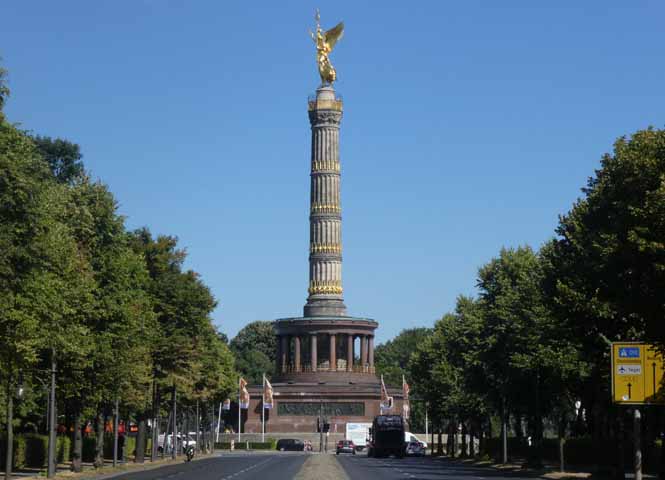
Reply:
x=278, y=357
x=284, y=351
x=333, y=352
x=325, y=259
x=371, y=351
x=349, y=353
x=363, y=351
x=313, y=353
x=296, y=341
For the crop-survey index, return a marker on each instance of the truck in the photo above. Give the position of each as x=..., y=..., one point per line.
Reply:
x=358, y=433
x=386, y=437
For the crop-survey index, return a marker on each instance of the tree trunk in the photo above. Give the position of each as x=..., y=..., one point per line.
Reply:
x=9, y=453
x=174, y=450
x=504, y=437
x=472, y=446
x=439, y=447
x=156, y=422
x=139, y=456
x=77, y=452
x=99, y=442
x=463, y=451
x=450, y=443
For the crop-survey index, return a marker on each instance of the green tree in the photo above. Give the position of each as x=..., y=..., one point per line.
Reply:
x=258, y=335
x=391, y=359
x=62, y=156
x=255, y=350
x=605, y=270
x=4, y=89
x=188, y=354
x=609, y=258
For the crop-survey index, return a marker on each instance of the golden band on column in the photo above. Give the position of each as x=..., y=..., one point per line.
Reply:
x=325, y=248
x=325, y=208
x=325, y=165
x=333, y=287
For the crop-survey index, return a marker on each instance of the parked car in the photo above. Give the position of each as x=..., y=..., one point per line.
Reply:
x=183, y=441
x=346, y=446
x=290, y=445
x=410, y=437
x=415, y=449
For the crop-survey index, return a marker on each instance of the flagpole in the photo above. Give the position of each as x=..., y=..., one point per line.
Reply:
x=263, y=411
x=219, y=420
x=381, y=402
x=239, y=410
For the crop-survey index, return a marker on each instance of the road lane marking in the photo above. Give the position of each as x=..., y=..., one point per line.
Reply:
x=245, y=470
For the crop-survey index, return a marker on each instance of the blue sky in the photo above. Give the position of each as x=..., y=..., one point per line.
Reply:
x=468, y=126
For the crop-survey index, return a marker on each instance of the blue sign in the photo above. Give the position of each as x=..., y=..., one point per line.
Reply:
x=629, y=352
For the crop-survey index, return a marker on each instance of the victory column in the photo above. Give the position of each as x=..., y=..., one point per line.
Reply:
x=318, y=367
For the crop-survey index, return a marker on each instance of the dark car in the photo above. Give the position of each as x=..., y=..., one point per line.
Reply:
x=290, y=445
x=415, y=449
x=346, y=446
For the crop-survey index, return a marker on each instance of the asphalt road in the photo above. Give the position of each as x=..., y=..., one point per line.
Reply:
x=420, y=468
x=277, y=466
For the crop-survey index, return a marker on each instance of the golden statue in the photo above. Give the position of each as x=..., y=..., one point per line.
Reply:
x=325, y=42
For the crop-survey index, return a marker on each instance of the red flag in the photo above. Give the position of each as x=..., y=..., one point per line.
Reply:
x=244, y=394
x=267, y=393
x=386, y=400
x=406, y=407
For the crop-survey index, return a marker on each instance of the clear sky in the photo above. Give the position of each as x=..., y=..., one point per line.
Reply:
x=468, y=126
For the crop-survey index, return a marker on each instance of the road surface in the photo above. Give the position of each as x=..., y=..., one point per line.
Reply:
x=421, y=468
x=241, y=466
x=292, y=465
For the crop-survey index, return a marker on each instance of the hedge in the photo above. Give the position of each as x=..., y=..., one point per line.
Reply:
x=582, y=451
x=31, y=450
x=89, y=445
x=271, y=444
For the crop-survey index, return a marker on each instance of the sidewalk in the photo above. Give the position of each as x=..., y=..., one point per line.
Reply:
x=107, y=471
x=548, y=472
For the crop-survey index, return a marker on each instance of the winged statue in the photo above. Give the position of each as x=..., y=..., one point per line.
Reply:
x=325, y=42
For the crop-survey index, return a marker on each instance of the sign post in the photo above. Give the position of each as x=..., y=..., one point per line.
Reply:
x=637, y=374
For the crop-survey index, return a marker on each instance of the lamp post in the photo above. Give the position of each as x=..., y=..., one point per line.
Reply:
x=18, y=393
x=50, y=473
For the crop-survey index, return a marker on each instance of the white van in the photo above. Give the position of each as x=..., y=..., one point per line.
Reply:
x=410, y=437
x=182, y=439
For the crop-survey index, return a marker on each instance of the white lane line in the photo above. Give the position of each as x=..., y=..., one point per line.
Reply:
x=246, y=469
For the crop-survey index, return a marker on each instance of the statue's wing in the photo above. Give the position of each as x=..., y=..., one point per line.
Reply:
x=334, y=34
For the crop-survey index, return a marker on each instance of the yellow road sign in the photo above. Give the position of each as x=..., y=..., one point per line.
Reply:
x=637, y=374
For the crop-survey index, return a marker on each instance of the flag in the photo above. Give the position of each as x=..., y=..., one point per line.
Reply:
x=227, y=404
x=406, y=407
x=244, y=394
x=267, y=393
x=386, y=400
